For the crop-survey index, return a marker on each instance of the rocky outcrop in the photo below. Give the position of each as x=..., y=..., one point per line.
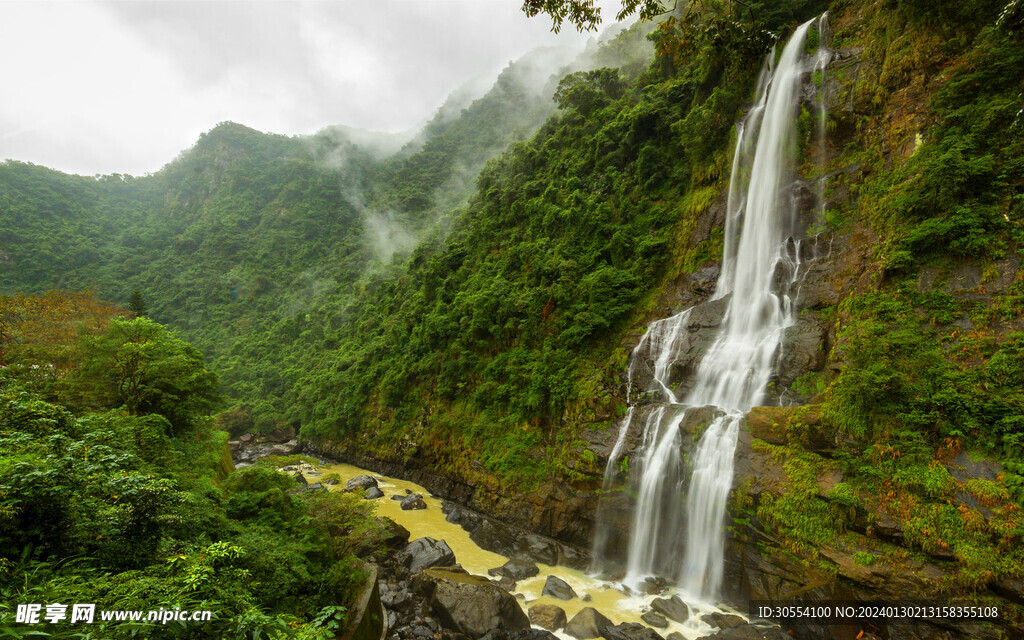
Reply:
x=469, y=604
x=511, y=541
x=424, y=553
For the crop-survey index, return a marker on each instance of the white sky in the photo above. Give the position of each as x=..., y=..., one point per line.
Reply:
x=123, y=87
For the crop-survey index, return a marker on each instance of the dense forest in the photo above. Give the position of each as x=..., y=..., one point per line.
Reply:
x=472, y=299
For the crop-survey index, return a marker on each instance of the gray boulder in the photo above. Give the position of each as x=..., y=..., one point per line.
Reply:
x=588, y=623
x=630, y=631
x=415, y=501
x=516, y=569
x=549, y=616
x=360, y=482
x=558, y=588
x=672, y=608
x=655, y=620
x=532, y=634
x=373, y=493
x=468, y=604
x=424, y=553
x=749, y=632
x=723, y=620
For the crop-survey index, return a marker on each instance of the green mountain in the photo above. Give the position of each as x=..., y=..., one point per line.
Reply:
x=467, y=315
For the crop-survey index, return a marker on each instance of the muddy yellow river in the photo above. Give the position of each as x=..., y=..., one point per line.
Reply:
x=606, y=597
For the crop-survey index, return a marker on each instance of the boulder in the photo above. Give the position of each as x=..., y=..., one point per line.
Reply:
x=360, y=482
x=468, y=604
x=424, y=553
x=373, y=493
x=588, y=623
x=415, y=501
x=675, y=635
x=630, y=631
x=515, y=569
x=654, y=620
x=723, y=620
x=398, y=497
x=507, y=583
x=393, y=535
x=750, y=632
x=299, y=478
x=550, y=616
x=532, y=634
x=672, y=608
x=558, y=588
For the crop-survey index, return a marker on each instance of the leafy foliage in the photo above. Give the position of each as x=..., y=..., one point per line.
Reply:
x=128, y=510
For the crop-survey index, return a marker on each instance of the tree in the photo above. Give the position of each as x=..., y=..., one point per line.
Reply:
x=144, y=367
x=584, y=15
x=137, y=305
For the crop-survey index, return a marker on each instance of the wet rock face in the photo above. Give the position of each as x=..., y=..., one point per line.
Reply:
x=424, y=553
x=469, y=604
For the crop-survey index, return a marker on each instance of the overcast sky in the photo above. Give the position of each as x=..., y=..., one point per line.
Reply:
x=123, y=87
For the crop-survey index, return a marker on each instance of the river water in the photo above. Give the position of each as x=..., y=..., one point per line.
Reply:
x=606, y=597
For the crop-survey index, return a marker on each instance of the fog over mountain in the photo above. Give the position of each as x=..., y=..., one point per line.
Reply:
x=105, y=87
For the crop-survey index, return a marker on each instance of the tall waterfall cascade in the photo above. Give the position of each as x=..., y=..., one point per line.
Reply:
x=755, y=298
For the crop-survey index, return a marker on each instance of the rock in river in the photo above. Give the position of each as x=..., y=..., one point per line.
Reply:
x=424, y=553
x=469, y=604
x=360, y=482
x=630, y=631
x=415, y=501
x=672, y=608
x=723, y=620
x=588, y=623
x=373, y=493
x=549, y=616
x=515, y=569
x=654, y=620
x=558, y=588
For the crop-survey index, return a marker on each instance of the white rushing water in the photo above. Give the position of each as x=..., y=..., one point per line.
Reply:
x=760, y=268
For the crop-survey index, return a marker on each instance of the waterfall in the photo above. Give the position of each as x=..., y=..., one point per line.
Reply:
x=760, y=269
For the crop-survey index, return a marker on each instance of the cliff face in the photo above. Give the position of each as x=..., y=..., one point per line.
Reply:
x=874, y=483
x=889, y=472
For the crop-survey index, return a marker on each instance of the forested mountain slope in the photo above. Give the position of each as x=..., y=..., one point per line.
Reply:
x=235, y=241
